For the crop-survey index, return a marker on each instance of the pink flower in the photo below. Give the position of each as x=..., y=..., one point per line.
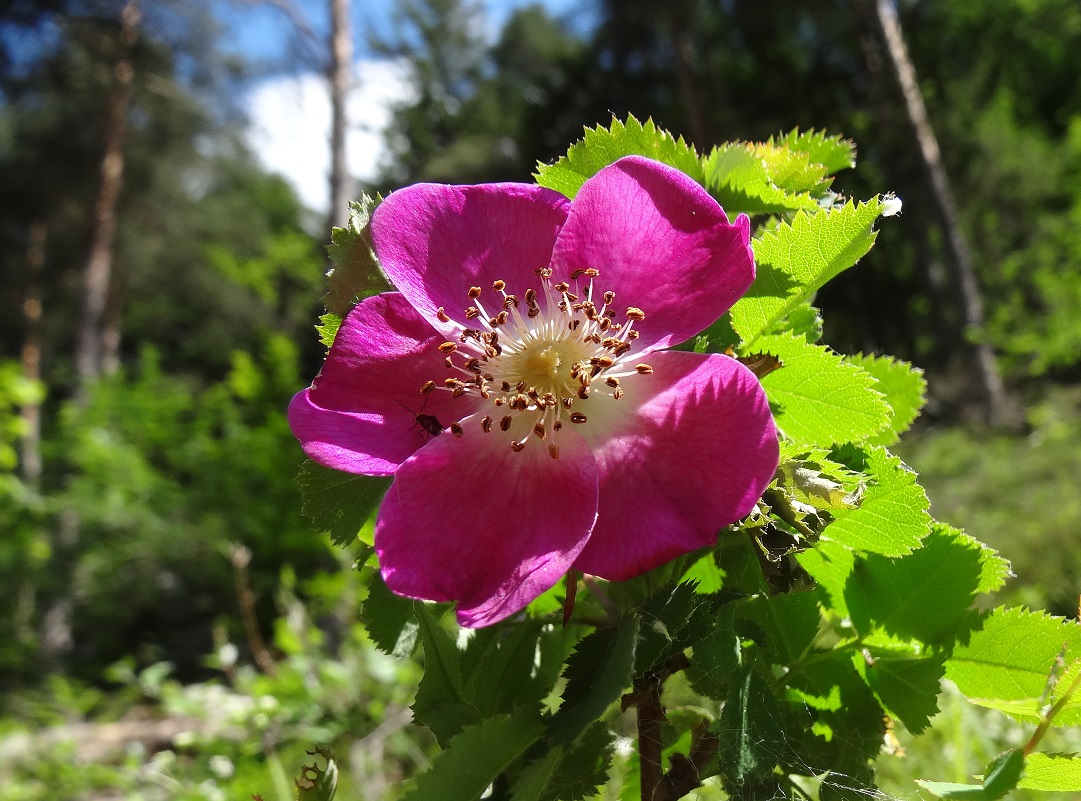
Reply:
x=517, y=388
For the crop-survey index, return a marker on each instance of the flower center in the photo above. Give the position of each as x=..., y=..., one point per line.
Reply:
x=540, y=365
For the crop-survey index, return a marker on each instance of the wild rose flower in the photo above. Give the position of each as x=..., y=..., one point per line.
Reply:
x=517, y=388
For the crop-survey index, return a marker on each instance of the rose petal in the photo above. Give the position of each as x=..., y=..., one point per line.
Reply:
x=469, y=520
x=435, y=241
x=696, y=450
x=365, y=413
x=661, y=243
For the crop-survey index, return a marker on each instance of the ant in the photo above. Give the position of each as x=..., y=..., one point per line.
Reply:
x=427, y=422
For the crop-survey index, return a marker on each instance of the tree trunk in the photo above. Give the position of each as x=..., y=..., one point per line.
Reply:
x=686, y=61
x=30, y=455
x=995, y=403
x=339, y=77
x=96, y=276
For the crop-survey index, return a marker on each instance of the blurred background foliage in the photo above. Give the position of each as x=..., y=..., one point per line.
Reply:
x=130, y=499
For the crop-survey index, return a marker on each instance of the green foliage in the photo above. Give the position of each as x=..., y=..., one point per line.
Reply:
x=602, y=146
x=473, y=759
x=798, y=258
x=339, y=503
x=819, y=398
x=356, y=273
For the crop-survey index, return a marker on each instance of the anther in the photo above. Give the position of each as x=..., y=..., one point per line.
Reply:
x=498, y=286
x=521, y=386
x=457, y=392
x=510, y=300
x=448, y=347
x=474, y=292
x=540, y=430
x=583, y=392
x=550, y=399
x=633, y=335
x=604, y=323
x=441, y=315
x=456, y=429
x=609, y=297
x=502, y=317
x=472, y=313
x=557, y=425
x=579, y=418
x=505, y=386
x=517, y=447
x=451, y=383
x=533, y=312
x=592, y=272
x=553, y=450
x=612, y=382
x=643, y=369
x=604, y=362
x=530, y=297
x=561, y=287
x=568, y=402
x=449, y=362
x=428, y=387
x=504, y=424
x=618, y=393
x=486, y=424
x=635, y=314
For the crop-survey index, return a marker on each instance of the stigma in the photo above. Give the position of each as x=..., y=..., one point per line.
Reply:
x=538, y=360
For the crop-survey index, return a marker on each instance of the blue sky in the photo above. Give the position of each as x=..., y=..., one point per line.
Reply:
x=289, y=109
x=261, y=31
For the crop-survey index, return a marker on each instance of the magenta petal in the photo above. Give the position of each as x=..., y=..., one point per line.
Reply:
x=435, y=241
x=469, y=520
x=360, y=415
x=661, y=243
x=695, y=456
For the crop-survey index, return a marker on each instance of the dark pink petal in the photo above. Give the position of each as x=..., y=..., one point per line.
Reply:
x=661, y=243
x=436, y=241
x=360, y=414
x=695, y=452
x=469, y=520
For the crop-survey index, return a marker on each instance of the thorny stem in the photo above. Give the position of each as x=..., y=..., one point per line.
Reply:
x=646, y=698
x=240, y=557
x=685, y=773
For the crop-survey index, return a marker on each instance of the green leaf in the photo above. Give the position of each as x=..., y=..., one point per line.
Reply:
x=603, y=146
x=584, y=766
x=756, y=178
x=817, y=397
x=473, y=759
x=356, y=273
x=1059, y=773
x=533, y=780
x=905, y=684
x=597, y=673
x=830, y=564
x=798, y=258
x=750, y=730
x=664, y=617
x=328, y=328
x=315, y=783
x=338, y=503
x=499, y=678
x=803, y=321
x=705, y=575
x=892, y=518
x=716, y=657
x=905, y=389
x=994, y=570
x=924, y=595
x=789, y=623
x=1001, y=776
x=1007, y=663
x=389, y=618
x=440, y=703
x=835, y=153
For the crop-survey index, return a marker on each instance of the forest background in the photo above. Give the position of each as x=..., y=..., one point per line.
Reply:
x=170, y=626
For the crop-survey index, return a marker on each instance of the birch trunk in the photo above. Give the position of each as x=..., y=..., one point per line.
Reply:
x=97, y=274
x=339, y=77
x=994, y=393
